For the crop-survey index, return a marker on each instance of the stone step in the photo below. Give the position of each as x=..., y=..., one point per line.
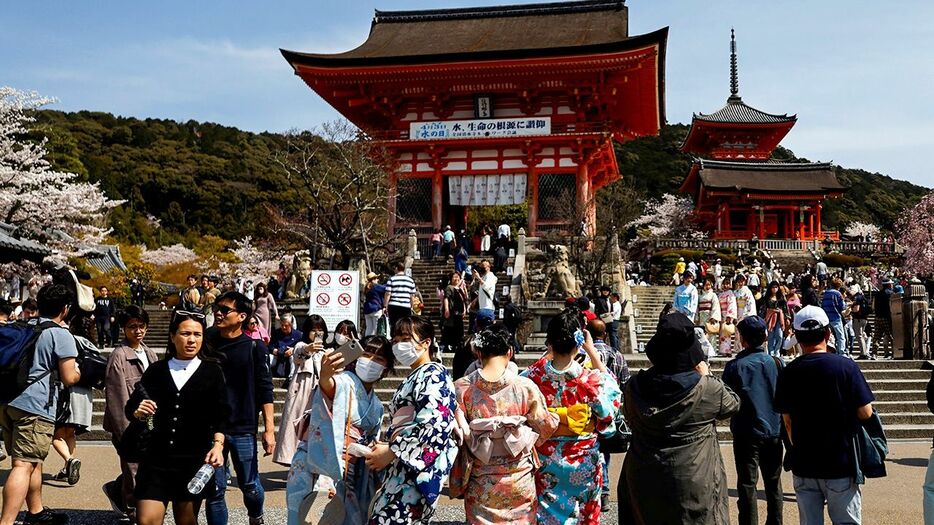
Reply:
x=900, y=395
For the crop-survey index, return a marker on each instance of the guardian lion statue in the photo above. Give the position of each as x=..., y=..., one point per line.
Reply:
x=301, y=270
x=558, y=272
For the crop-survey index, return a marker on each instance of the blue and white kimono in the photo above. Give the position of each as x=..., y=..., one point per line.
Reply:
x=322, y=452
x=422, y=436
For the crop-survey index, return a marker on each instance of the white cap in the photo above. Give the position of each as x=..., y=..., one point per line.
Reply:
x=811, y=318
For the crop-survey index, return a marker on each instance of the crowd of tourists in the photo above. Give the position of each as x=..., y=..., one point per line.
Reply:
x=717, y=302
x=518, y=446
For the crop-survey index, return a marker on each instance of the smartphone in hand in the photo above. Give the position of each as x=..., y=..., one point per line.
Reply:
x=351, y=350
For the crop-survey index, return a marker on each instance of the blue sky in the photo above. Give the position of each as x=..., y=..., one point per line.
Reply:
x=859, y=75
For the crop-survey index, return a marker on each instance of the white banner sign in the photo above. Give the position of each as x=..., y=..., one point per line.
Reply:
x=486, y=190
x=335, y=296
x=482, y=128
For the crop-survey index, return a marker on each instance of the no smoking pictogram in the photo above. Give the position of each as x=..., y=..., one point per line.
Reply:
x=323, y=299
x=324, y=279
x=344, y=299
x=345, y=279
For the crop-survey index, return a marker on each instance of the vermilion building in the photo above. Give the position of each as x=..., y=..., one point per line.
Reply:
x=738, y=191
x=497, y=105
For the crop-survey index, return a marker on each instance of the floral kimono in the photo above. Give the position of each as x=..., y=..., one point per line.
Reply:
x=422, y=436
x=505, y=419
x=321, y=453
x=571, y=476
x=708, y=309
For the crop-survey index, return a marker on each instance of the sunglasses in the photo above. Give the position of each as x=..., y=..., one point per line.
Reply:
x=196, y=315
x=224, y=310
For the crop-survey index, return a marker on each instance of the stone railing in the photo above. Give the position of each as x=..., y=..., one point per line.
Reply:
x=777, y=244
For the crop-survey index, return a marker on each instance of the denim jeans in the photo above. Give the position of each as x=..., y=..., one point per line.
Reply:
x=776, y=338
x=243, y=450
x=928, y=491
x=839, y=338
x=844, y=502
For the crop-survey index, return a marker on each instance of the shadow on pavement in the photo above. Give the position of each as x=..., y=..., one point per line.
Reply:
x=911, y=462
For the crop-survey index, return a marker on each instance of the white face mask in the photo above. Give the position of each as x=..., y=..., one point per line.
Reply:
x=341, y=339
x=368, y=370
x=405, y=352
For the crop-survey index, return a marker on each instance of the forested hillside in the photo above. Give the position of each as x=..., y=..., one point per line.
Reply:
x=198, y=178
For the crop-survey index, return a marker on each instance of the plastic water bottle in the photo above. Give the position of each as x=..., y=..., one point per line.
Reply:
x=204, y=475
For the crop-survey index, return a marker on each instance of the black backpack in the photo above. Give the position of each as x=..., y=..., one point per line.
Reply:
x=17, y=353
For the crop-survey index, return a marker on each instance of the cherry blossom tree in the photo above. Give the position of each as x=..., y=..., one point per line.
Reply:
x=167, y=255
x=255, y=264
x=916, y=235
x=670, y=216
x=36, y=198
x=862, y=230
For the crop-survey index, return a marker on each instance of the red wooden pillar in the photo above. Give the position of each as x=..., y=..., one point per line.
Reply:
x=437, y=188
x=726, y=213
x=819, y=233
x=583, y=194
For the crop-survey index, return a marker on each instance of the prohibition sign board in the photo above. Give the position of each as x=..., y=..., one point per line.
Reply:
x=335, y=296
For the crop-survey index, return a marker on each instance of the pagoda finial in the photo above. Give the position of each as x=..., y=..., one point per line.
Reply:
x=734, y=75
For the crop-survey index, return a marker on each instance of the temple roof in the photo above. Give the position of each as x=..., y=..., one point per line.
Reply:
x=769, y=177
x=9, y=242
x=477, y=33
x=738, y=112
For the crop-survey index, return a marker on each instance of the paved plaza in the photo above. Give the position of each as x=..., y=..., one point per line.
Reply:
x=895, y=499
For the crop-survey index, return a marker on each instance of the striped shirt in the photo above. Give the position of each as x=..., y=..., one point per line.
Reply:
x=400, y=288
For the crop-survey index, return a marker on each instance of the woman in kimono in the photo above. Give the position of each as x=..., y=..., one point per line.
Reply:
x=586, y=402
x=727, y=317
x=673, y=471
x=344, y=420
x=708, y=311
x=745, y=304
x=504, y=417
x=306, y=372
x=422, y=443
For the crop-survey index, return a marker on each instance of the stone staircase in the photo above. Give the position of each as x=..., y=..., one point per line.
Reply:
x=647, y=304
x=157, y=333
x=426, y=274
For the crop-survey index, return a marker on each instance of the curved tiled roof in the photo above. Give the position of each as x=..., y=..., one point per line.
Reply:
x=737, y=111
x=477, y=33
x=22, y=245
x=769, y=176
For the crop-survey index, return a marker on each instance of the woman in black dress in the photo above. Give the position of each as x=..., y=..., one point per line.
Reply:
x=186, y=398
x=452, y=324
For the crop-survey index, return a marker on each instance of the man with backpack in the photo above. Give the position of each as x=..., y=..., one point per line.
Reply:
x=28, y=402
